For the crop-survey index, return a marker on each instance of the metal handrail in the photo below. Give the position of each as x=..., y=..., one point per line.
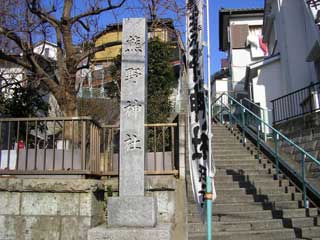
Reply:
x=277, y=135
x=280, y=134
x=264, y=110
x=297, y=103
x=296, y=91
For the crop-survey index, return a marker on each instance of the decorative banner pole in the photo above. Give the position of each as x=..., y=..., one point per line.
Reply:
x=210, y=174
x=198, y=124
x=199, y=120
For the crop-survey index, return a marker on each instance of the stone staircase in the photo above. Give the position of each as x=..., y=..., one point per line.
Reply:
x=251, y=204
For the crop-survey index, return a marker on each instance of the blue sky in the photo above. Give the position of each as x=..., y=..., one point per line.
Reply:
x=215, y=5
x=133, y=8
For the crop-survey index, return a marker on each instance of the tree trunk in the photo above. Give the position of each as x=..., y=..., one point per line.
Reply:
x=67, y=101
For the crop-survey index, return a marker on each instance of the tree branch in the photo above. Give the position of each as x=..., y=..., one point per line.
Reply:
x=86, y=27
x=97, y=11
x=32, y=6
x=15, y=59
x=13, y=36
x=67, y=9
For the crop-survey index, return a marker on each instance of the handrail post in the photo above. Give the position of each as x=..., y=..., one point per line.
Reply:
x=243, y=125
x=258, y=139
x=276, y=148
x=221, y=111
x=264, y=125
x=229, y=112
x=305, y=201
x=310, y=98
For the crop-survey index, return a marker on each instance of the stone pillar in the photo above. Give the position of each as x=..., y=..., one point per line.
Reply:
x=132, y=208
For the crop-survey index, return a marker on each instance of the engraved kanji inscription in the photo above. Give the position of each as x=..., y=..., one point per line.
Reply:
x=132, y=74
x=134, y=44
x=132, y=142
x=133, y=107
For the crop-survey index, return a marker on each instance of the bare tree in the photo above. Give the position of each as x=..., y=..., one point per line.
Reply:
x=70, y=24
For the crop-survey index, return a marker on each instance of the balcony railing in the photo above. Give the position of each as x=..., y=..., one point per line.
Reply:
x=78, y=146
x=297, y=103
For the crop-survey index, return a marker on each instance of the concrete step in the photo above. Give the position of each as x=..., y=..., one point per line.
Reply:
x=279, y=205
x=221, y=151
x=232, y=207
x=310, y=232
x=235, y=156
x=273, y=234
x=237, y=226
x=242, y=166
x=246, y=184
x=255, y=190
x=251, y=178
x=300, y=222
x=249, y=160
x=296, y=213
x=250, y=172
x=242, y=216
x=234, y=216
x=259, y=198
x=245, y=172
x=225, y=147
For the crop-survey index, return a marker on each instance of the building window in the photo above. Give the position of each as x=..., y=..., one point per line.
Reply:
x=239, y=34
x=46, y=52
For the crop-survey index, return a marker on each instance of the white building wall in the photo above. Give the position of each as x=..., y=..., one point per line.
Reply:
x=41, y=49
x=240, y=58
x=267, y=86
x=295, y=32
x=219, y=86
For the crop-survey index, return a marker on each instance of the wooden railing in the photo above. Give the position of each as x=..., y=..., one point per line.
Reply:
x=49, y=146
x=78, y=146
x=161, y=149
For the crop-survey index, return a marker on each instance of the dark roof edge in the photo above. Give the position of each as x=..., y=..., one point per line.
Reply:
x=225, y=13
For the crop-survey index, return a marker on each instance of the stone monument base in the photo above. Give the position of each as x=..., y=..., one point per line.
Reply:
x=132, y=211
x=102, y=232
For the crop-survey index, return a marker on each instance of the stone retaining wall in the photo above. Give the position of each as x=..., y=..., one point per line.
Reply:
x=50, y=208
x=304, y=131
x=65, y=209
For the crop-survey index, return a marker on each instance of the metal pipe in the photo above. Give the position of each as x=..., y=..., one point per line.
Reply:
x=276, y=149
x=172, y=149
x=243, y=126
x=45, y=146
x=163, y=149
x=54, y=145
x=210, y=174
x=305, y=205
x=73, y=142
x=36, y=146
x=9, y=136
x=18, y=136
